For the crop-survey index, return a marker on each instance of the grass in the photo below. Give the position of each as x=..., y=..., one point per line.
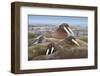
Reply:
x=84, y=38
x=36, y=50
x=32, y=35
x=73, y=53
x=39, y=50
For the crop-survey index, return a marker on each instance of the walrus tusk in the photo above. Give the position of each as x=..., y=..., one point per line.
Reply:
x=75, y=42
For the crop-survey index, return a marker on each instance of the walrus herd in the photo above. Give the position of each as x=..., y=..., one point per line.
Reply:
x=61, y=45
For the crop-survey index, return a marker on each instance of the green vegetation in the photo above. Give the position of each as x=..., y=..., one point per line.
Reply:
x=41, y=48
x=84, y=38
x=32, y=35
x=36, y=50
